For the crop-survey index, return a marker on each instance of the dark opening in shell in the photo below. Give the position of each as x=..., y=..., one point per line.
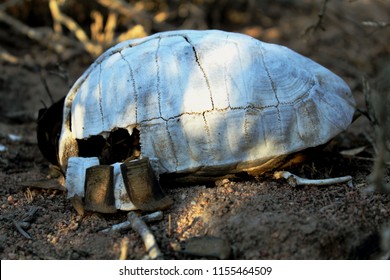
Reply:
x=118, y=146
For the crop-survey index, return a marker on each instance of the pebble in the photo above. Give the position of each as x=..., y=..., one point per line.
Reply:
x=12, y=256
x=207, y=246
x=10, y=200
x=3, y=148
x=14, y=137
x=25, y=225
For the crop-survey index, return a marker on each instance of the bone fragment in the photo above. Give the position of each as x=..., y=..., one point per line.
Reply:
x=99, y=193
x=122, y=199
x=143, y=187
x=75, y=174
x=295, y=180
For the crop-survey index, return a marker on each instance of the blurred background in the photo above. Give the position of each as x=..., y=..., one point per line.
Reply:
x=46, y=44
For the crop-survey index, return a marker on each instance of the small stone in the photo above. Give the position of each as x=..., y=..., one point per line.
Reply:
x=10, y=200
x=12, y=256
x=14, y=137
x=3, y=148
x=207, y=246
x=25, y=225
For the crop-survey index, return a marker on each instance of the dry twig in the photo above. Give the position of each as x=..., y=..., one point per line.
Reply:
x=124, y=248
x=319, y=24
x=142, y=229
x=25, y=222
x=377, y=103
x=9, y=58
x=10, y=3
x=43, y=36
x=137, y=14
x=71, y=25
x=152, y=217
x=377, y=24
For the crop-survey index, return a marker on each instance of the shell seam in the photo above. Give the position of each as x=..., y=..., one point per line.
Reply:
x=273, y=86
x=198, y=61
x=158, y=81
x=100, y=96
x=133, y=84
x=207, y=111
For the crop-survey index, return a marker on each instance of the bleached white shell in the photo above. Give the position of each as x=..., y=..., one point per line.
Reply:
x=207, y=100
x=122, y=199
x=75, y=174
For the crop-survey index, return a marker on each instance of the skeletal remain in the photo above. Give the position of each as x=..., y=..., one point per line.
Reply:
x=75, y=175
x=210, y=116
x=142, y=229
x=295, y=180
x=152, y=217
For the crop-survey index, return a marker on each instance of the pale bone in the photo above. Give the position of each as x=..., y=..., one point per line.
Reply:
x=122, y=199
x=148, y=238
x=222, y=102
x=75, y=174
x=75, y=181
x=152, y=217
x=295, y=180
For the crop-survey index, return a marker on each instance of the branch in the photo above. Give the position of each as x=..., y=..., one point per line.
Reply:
x=44, y=37
x=318, y=25
x=152, y=217
x=142, y=229
x=10, y=3
x=140, y=16
x=78, y=32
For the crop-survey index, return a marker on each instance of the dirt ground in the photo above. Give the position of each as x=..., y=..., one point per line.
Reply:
x=259, y=218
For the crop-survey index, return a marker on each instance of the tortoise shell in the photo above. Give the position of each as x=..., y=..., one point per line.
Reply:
x=204, y=103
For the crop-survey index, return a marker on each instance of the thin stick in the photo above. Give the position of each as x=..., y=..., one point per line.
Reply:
x=313, y=28
x=109, y=29
x=78, y=32
x=45, y=38
x=295, y=180
x=21, y=230
x=55, y=13
x=130, y=11
x=142, y=229
x=10, y=3
x=46, y=86
x=7, y=57
x=152, y=217
x=169, y=225
x=124, y=248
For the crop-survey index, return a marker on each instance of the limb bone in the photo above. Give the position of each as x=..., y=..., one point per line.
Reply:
x=295, y=180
